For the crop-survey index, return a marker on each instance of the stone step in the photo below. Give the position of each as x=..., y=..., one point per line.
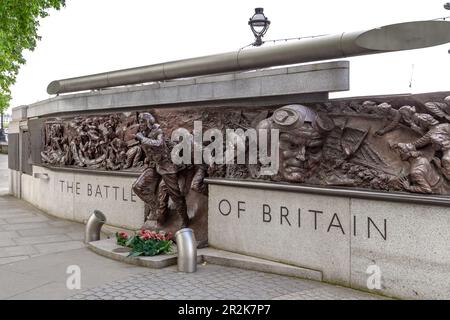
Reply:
x=110, y=249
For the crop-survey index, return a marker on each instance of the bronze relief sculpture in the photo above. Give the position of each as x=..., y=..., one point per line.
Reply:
x=387, y=146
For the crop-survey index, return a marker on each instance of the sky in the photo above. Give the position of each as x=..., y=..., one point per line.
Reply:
x=92, y=36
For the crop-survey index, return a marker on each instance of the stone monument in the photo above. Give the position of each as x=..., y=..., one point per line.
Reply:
x=355, y=178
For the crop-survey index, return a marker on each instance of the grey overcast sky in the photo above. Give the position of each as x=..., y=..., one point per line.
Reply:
x=91, y=36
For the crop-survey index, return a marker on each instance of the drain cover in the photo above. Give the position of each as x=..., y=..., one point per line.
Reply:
x=121, y=250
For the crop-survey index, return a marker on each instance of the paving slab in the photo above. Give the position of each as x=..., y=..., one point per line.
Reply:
x=7, y=198
x=12, y=214
x=7, y=243
x=13, y=283
x=47, y=291
x=8, y=234
x=58, y=246
x=51, y=270
x=9, y=260
x=4, y=174
x=26, y=219
x=75, y=235
x=48, y=230
x=61, y=223
x=17, y=207
x=16, y=251
x=42, y=239
x=25, y=226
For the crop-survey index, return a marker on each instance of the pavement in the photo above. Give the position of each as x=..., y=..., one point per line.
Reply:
x=4, y=174
x=214, y=282
x=39, y=253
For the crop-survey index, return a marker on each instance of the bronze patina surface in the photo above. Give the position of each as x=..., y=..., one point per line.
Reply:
x=389, y=143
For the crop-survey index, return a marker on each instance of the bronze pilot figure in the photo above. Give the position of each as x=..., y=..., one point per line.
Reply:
x=160, y=167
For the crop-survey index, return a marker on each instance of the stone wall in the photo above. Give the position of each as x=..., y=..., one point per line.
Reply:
x=389, y=147
x=74, y=196
x=350, y=240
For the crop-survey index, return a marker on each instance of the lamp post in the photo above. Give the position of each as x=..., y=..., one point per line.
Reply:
x=258, y=24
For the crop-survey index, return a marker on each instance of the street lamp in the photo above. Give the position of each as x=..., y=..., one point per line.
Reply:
x=259, y=25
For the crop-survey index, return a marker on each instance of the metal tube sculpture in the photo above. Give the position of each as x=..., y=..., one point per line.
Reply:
x=395, y=37
x=94, y=226
x=187, y=250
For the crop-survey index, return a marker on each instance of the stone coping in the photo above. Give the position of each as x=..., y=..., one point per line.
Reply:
x=331, y=191
x=335, y=191
x=108, y=247
x=90, y=171
x=296, y=80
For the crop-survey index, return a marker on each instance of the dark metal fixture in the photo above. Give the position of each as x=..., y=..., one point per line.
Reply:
x=259, y=25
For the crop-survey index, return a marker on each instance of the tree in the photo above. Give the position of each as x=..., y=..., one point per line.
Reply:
x=19, y=21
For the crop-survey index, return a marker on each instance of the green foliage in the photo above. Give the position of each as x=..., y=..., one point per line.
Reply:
x=121, y=238
x=5, y=97
x=146, y=243
x=19, y=21
x=150, y=247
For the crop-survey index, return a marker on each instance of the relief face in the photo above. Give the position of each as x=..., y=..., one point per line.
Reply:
x=300, y=141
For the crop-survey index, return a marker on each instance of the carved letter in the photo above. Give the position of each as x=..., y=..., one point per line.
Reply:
x=284, y=215
x=220, y=207
x=240, y=209
x=335, y=225
x=266, y=213
x=369, y=222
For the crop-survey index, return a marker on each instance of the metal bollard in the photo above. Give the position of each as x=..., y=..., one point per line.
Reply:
x=93, y=226
x=187, y=250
